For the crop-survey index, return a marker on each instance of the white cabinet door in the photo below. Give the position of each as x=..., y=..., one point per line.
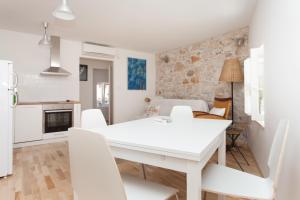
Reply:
x=28, y=123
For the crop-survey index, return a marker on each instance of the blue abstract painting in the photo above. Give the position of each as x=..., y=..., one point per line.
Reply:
x=136, y=74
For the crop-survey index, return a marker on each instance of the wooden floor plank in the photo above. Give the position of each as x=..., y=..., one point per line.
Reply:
x=42, y=173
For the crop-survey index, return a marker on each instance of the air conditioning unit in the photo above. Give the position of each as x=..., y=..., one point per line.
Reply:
x=97, y=50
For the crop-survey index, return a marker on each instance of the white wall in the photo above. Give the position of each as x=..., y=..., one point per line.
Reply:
x=276, y=24
x=258, y=140
x=30, y=59
x=129, y=104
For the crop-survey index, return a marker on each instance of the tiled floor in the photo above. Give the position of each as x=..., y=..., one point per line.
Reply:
x=42, y=172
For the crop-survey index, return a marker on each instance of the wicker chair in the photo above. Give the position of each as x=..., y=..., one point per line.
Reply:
x=218, y=103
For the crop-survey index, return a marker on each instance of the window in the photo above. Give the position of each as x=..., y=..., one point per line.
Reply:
x=103, y=90
x=106, y=93
x=254, y=85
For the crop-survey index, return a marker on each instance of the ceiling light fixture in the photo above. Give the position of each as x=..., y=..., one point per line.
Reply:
x=45, y=41
x=63, y=11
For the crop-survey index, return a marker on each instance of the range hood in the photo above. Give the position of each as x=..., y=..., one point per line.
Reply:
x=55, y=68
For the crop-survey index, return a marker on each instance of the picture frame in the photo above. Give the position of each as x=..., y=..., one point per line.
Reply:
x=83, y=72
x=137, y=74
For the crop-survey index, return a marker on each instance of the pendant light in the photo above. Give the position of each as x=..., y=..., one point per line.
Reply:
x=63, y=11
x=45, y=41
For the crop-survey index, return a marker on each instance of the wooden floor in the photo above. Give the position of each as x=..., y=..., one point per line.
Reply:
x=42, y=172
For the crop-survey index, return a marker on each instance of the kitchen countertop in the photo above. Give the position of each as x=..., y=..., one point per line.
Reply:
x=48, y=102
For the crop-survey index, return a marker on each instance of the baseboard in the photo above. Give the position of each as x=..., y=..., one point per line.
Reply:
x=39, y=142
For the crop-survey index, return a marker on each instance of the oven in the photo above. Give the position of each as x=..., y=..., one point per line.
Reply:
x=57, y=118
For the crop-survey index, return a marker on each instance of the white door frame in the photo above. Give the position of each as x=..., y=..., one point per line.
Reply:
x=110, y=80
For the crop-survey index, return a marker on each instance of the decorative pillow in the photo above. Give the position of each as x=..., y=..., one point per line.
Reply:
x=217, y=111
x=151, y=111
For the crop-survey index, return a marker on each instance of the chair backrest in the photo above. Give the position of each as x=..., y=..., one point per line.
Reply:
x=94, y=172
x=223, y=103
x=181, y=113
x=92, y=118
x=277, y=151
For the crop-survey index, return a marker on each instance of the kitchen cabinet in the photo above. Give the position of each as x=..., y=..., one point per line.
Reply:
x=28, y=123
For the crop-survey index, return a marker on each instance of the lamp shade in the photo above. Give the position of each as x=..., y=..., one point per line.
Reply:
x=45, y=41
x=232, y=71
x=63, y=11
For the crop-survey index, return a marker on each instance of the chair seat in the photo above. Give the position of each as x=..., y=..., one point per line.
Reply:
x=137, y=189
x=223, y=180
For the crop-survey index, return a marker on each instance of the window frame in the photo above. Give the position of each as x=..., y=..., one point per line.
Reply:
x=254, y=85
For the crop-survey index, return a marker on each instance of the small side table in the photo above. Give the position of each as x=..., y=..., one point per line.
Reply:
x=234, y=132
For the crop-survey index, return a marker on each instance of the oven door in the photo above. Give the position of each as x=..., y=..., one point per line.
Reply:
x=57, y=120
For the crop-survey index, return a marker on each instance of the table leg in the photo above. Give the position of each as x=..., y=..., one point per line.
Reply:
x=193, y=187
x=222, y=156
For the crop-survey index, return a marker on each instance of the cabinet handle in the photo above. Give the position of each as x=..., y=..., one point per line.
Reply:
x=57, y=111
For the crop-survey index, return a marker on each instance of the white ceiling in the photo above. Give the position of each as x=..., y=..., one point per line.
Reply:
x=146, y=25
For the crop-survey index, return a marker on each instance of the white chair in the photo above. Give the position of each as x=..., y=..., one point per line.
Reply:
x=95, y=175
x=181, y=113
x=223, y=180
x=92, y=118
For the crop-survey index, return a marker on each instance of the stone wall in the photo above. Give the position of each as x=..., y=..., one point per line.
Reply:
x=192, y=72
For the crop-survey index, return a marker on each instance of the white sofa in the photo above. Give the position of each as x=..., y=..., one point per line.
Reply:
x=166, y=105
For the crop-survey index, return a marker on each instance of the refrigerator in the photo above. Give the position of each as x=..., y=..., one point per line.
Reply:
x=8, y=99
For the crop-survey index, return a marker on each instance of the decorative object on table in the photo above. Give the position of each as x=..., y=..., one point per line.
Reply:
x=150, y=110
x=163, y=119
x=220, y=110
x=83, y=72
x=232, y=73
x=234, y=132
x=136, y=74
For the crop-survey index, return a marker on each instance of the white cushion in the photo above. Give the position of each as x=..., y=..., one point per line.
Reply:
x=166, y=105
x=217, y=111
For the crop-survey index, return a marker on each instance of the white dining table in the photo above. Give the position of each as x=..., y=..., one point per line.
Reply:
x=181, y=146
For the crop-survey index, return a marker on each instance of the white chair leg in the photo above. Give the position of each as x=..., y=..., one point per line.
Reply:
x=75, y=196
x=176, y=195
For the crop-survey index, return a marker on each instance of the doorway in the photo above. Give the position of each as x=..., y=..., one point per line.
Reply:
x=96, y=86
